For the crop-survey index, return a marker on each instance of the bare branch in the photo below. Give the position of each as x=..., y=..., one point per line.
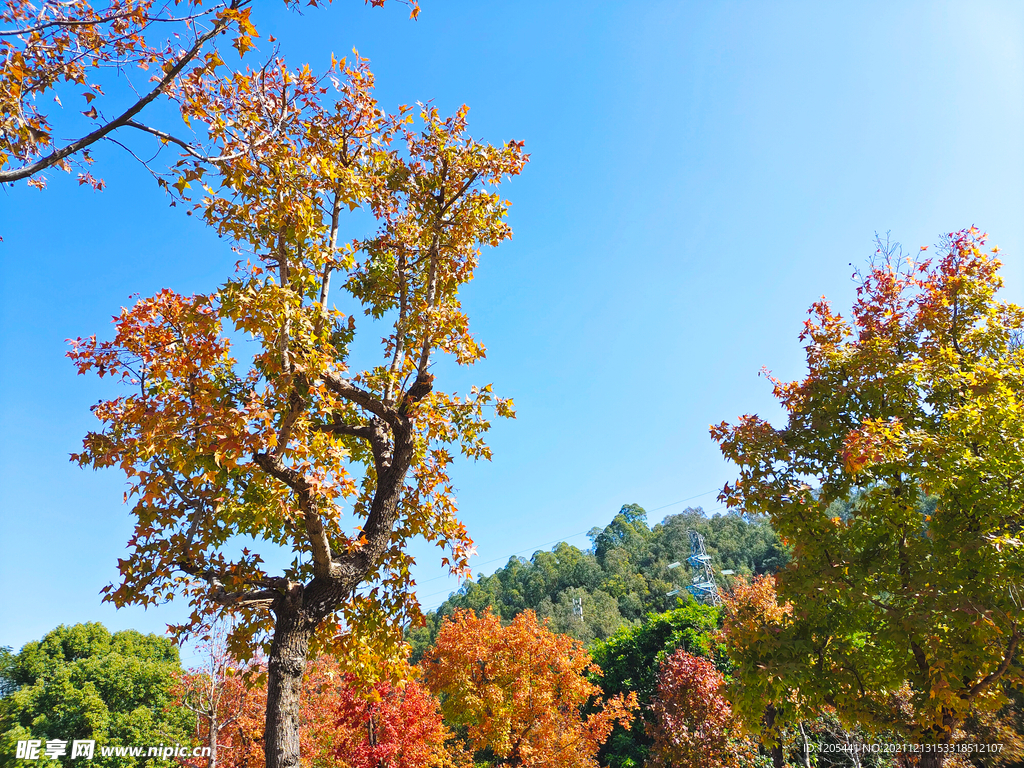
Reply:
x=163, y=135
x=68, y=23
x=325, y=284
x=220, y=595
x=341, y=428
x=55, y=157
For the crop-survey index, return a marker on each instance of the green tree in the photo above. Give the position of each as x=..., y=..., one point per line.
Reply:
x=630, y=662
x=907, y=556
x=623, y=577
x=83, y=682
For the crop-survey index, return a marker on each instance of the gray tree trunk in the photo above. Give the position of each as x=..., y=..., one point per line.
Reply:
x=285, y=668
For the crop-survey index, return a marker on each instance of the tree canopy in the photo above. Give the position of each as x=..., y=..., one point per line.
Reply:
x=69, y=49
x=295, y=443
x=82, y=682
x=517, y=692
x=897, y=482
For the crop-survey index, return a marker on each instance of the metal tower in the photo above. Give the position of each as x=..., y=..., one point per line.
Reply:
x=703, y=588
x=577, y=608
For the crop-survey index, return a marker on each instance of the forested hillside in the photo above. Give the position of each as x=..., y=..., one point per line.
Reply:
x=622, y=576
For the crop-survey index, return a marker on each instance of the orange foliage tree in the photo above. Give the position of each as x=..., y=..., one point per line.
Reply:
x=52, y=49
x=519, y=692
x=293, y=444
x=344, y=724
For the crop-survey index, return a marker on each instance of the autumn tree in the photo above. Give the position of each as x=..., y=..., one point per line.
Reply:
x=52, y=49
x=344, y=724
x=296, y=443
x=518, y=692
x=692, y=724
x=758, y=632
x=907, y=549
x=399, y=726
x=219, y=696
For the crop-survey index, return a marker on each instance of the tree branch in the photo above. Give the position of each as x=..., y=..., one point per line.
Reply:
x=349, y=391
x=325, y=284
x=295, y=404
x=341, y=428
x=122, y=120
x=69, y=23
x=991, y=677
x=220, y=595
x=315, y=533
x=181, y=143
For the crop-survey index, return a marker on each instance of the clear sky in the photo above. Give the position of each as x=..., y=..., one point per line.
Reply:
x=701, y=172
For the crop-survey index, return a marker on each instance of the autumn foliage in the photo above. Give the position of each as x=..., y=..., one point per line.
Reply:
x=756, y=628
x=907, y=550
x=286, y=440
x=160, y=51
x=519, y=691
x=400, y=727
x=692, y=724
x=344, y=723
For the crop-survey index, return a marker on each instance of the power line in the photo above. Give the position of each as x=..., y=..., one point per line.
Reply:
x=691, y=498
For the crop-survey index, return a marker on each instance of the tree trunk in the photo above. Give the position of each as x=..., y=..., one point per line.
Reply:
x=941, y=739
x=285, y=668
x=777, y=753
x=211, y=741
x=932, y=760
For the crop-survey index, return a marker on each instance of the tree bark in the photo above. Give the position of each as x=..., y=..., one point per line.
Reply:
x=285, y=668
x=932, y=760
x=777, y=753
x=211, y=741
x=300, y=611
x=941, y=739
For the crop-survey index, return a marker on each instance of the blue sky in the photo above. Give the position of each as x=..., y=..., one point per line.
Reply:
x=701, y=172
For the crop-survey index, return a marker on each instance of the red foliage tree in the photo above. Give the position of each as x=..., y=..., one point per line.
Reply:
x=693, y=724
x=396, y=727
x=343, y=724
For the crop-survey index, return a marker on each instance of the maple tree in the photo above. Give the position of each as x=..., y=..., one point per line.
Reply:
x=344, y=723
x=396, y=726
x=66, y=48
x=692, y=724
x=518, y=691
x=907, y=558
x=295, y=444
